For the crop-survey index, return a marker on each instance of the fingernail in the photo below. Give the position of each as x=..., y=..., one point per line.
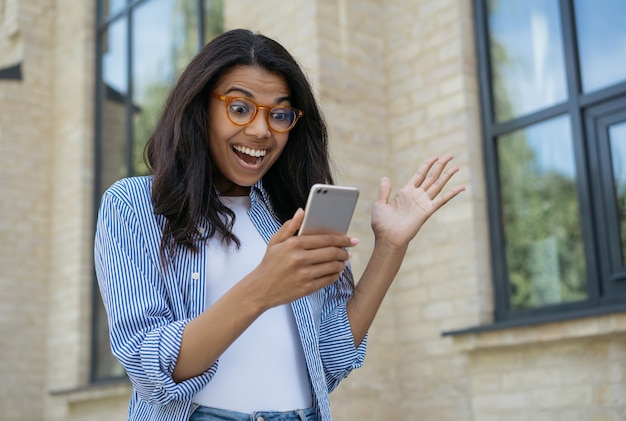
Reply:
x=354, y=241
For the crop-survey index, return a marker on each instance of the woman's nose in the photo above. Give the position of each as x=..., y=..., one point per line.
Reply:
x=258, y=127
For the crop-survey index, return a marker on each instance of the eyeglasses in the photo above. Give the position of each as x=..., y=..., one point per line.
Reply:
x=242, y=111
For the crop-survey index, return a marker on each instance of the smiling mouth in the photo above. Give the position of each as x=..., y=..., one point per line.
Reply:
x=249, y=156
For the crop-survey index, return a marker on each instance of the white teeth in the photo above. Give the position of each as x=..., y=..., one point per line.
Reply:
x=252, y=152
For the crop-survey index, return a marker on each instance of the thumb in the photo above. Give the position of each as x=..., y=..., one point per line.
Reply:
x=289, y=228
x=385, y=190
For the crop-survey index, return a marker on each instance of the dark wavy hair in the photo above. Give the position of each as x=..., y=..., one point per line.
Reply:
x=178, y=155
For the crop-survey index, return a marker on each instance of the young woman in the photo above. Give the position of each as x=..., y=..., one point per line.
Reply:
x=216, y=309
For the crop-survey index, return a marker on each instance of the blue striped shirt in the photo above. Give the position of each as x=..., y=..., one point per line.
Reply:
x=148, y=306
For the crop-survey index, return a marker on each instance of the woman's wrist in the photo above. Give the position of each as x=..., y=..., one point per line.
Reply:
x=385, y=245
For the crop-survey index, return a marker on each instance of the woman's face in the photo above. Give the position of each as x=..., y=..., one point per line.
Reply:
x=243, y=154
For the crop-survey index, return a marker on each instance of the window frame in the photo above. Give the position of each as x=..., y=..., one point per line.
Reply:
x=103, y=23
x=576, y=105
x=613, y=268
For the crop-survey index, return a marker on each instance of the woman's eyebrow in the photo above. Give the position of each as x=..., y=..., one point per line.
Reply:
x=283, y=98
x=250, y=95
x=240, y=90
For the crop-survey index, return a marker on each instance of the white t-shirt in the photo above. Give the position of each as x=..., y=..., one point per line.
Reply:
x=264, y=369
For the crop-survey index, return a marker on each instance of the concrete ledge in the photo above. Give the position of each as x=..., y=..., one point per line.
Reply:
x=94, y=392
x=599, y=325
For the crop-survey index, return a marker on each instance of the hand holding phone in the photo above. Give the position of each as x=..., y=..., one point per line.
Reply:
x=329, y=209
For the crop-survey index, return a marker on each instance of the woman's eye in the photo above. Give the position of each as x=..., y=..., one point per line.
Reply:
x=239, y=108
x=281, y=115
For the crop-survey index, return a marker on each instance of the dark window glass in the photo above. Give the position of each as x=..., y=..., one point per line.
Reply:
x=171, y=25
x=617, y=139
x=113, y=7
x=544, y=249
x=114, y=97
x=527, y=61
x=553, y=97
x=601, y=32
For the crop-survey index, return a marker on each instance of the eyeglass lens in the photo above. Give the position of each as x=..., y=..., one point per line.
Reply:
x=241, y=111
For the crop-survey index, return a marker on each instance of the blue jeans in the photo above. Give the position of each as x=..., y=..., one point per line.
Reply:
x=203, y=413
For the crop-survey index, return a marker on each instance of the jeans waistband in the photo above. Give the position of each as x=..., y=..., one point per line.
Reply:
x=203, y=413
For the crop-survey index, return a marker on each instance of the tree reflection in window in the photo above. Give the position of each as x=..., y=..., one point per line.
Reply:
x=156, y=69
x=543, y=240
x=617, y=136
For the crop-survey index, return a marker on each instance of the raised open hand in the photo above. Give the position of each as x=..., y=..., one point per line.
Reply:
x=396, y=222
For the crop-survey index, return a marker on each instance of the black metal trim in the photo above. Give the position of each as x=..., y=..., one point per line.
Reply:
x=95, y=385
x=539, y=320
x=526, y=120
x=105, y=22
x=201, y=25
x=613, y=269
x=12, y=72
x=573, y=109
x=587, y=165
x=98, y=106
x=496, y=235
x=129, y=129
x=605, y=94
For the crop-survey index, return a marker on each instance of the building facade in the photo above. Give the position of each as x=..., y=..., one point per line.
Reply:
x=511, y=303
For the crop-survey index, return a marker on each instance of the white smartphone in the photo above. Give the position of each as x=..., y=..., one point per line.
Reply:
x=329, y=209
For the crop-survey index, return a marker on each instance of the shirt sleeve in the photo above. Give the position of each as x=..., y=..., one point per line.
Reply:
x=337, y=350
x=144, y=335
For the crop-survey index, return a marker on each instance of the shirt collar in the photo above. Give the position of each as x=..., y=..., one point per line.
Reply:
x=258, y=192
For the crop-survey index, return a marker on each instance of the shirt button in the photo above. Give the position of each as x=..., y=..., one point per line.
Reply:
x=195, y=276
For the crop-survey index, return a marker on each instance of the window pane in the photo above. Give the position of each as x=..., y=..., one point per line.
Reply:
x=113, y=166
x=601, y=41
x=543, y=239
x=165, y=35
x=115, y=91
x=213, y=18
x=527, y=62
x=617, y=138
x=111, y=7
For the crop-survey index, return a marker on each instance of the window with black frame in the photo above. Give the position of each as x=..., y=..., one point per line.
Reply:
x=553, y=97
x=141, y=48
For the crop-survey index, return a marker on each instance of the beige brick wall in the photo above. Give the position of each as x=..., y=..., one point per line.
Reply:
x=563, y=380
x=11, y=42
x=397, y=83
x=71, y=195
x=434, y=110
x=71, y=226
x=566, y=370
x=346, y=64
x=353, y=91
x=46, y=207
x=25, y=214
